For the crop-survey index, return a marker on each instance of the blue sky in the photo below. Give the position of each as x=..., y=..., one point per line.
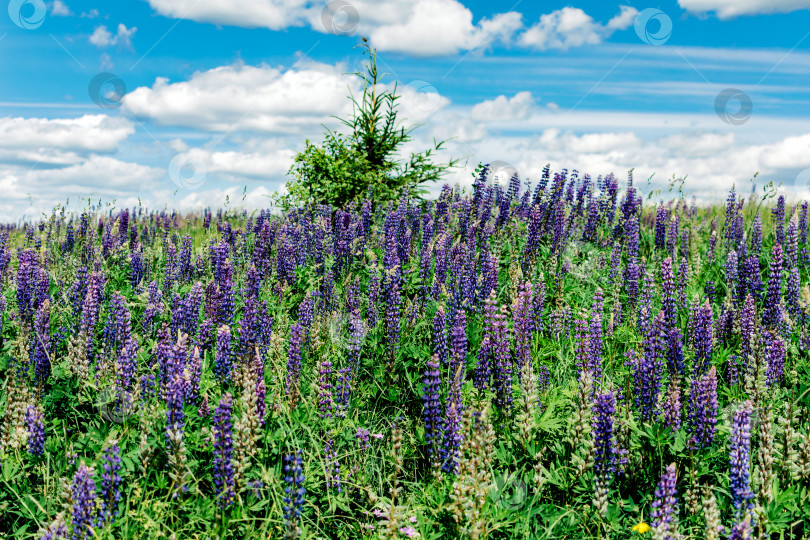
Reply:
x=216, y=95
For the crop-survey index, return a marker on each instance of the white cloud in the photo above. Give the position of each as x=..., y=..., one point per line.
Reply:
x=272, y=14
x=258, y=160
x=60, y=141
x=97, y=177
x=103, y=38
x=420, y=28
x=502, y=108
x=571, y=27
x=435, y=27
x=726, y=9
x=59, y=9
x=790, y=152
x=102, y=174
x=241, y=97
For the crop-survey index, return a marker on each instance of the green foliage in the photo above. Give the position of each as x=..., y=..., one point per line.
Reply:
x=366, y=161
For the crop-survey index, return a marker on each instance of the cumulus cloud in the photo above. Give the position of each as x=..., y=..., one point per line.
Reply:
x=103, y=38
x=60, y=141
x=256, y=160
x=435, y=27
x=420, y=28
x=242, y=97
x=272, y=14
x=727, y=9
x=503, y=108
x=59, y=9
x=97, y=176
x=571, y=27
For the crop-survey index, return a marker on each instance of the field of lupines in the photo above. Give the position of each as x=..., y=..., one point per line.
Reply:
x=565, y=360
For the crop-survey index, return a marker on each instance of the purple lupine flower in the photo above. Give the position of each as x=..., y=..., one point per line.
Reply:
x=664, y=512
x=671, y=409
x=27, y=277
x=440, y=347
x=431, y=406
x=631, y=238
x=523, y=324
x=56, y=531
x=90, y=310
x=675, y=363
x=257, y=365
x=606, y=453
x=42, y=343
x=669, y=300
x=661, y=219
x=701, y=327
x=483, y=368
x=648, y=371
x=708, y=291
x=294, y=493
x=503, y=364
x=702, y=410
x=223, y=358
x=110, y=485
x=83, y=495
x=753, y=279
x=327, y=290
x=343, y=390
x=362, y=438
x=775, y=350
x=175, y=418
x=294, y=362
x=226, y=289
x=772, y=314
x=393, y=303
x=583, y=352
x=645, y=308
x=223, y=473
x=595, y=333
x=792, y=293
x=170, y=268
x=712, y=246
x=154, y=306
x=191, y=309
x=740, y=458
x=127, y=366
x=326, y=401
x=732, y=266
x=778, y=213
x=792, y=245
x=458, y=343
x=631, y=283
x=672, y=234
x=136, y=271
x=117, y=329
x=192, y=375
x=35, y=421
x=741, y=529
x=452, y=438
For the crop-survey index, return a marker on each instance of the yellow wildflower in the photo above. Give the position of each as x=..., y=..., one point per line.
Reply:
x=641, y=528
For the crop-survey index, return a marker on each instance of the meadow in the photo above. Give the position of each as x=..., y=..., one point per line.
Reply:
x=568, y=359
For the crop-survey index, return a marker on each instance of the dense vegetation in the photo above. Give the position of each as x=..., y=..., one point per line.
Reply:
x=564, y=360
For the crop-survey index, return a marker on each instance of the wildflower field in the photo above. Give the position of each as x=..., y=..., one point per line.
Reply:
x=568, y=359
